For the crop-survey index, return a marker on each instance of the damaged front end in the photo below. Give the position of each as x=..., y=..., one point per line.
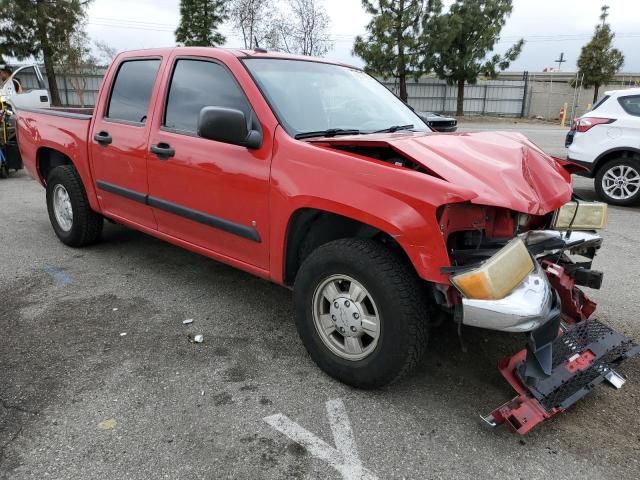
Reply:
x=530, y=283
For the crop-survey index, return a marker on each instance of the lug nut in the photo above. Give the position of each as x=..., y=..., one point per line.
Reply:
x=353, y=329
x=335, y=304
x=341, y=329
x=333, y=317
x=346, y=303
x=356, y=315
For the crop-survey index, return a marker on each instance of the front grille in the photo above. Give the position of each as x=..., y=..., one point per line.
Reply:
x=563, y=388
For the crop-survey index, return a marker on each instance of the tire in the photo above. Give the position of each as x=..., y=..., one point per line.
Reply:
x=625, y=170
x=394, y=293
x=85, y=225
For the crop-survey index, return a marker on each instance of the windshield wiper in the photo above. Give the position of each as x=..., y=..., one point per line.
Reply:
x=394, y=128
x=331, y=132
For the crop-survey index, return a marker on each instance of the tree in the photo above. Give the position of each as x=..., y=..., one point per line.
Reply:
x=252, y=19
x=395, y=33
x=470, y=30
x=199, y=22
x=40, y=29
x=105, y=51
x=78, y=61
x=598, y=61
x=302, y=29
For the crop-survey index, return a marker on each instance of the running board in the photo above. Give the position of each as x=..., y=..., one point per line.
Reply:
x=582, y=357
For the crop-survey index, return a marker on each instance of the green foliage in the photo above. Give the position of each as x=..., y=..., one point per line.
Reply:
x=598, y=60
x=472, y=30
x=199, y=22
x=468, y=33
x=39, y=29
x=397, y=35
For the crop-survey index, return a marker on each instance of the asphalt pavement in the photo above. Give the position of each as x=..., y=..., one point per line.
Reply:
x=98, y=379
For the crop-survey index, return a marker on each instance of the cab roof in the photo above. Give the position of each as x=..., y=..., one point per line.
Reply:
x=239, y=53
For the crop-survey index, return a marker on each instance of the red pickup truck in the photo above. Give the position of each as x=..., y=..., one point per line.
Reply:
x=311, y=174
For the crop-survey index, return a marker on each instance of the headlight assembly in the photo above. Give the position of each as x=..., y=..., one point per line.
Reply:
x=580, y=216
x=497, y=276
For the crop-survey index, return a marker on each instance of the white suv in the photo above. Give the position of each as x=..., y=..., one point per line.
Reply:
x=606, y=141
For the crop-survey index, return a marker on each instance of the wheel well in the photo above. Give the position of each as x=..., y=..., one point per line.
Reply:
x=311, y=228
x=615, y=154
x=48, y=159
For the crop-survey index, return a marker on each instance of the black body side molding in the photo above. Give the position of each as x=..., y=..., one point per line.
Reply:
x=194, y=215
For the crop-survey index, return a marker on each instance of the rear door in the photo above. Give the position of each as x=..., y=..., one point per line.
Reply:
x=119, y=140
x=211, y=194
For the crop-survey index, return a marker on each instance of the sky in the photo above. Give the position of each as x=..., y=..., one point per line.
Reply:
x=549, y=27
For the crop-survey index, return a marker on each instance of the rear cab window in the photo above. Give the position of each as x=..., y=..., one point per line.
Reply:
x=132, y=89
x=630, y=104
x=199, y=83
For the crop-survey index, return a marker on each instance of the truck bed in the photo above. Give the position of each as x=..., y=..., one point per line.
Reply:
x=63, y=130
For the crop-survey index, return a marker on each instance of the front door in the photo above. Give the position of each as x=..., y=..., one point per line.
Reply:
x=32, y=94
x=119, y=143
x=209, y=193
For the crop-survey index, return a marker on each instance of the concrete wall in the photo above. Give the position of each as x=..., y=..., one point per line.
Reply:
x=548, y=93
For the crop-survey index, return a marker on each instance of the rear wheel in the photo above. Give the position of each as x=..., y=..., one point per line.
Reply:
x=618, y=182
x=71, y=217
x=361, y=312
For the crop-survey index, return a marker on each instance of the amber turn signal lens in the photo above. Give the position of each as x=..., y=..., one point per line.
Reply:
x=497, y=276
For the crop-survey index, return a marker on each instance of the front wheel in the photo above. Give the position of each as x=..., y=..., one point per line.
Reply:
x=618, y=182
x=70, y=214
x=361, y=312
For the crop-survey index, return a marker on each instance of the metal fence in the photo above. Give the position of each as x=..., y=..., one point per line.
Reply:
x=487, y=97
x=89, y=81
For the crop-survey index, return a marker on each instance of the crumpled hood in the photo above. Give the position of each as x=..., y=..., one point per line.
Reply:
x=504, y=169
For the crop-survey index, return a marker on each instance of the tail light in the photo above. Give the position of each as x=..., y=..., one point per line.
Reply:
x=585, y=124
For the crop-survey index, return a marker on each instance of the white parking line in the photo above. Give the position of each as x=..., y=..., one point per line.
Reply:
x=344, y=458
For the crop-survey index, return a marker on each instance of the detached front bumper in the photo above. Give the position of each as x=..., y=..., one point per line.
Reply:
x=567, y=353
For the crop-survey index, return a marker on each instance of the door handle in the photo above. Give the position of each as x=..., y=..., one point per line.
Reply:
x=163, y=150
x=103, y=138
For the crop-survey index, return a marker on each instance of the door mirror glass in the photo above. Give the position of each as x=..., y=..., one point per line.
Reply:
x=227, y=125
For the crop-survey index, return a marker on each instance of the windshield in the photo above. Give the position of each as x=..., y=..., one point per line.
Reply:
x=319, y=97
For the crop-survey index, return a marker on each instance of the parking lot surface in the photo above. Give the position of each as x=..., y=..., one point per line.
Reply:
x=99, y=380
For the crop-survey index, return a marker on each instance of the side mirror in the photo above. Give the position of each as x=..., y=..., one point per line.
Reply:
x=227, y=125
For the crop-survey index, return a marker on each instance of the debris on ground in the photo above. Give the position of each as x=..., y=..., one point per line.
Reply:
x=188, y=321
x=196, y=338
x=123, y=334
x=115, y=309
x=107, y=424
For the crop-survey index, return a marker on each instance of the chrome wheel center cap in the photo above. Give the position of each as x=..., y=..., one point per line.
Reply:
x=347, y=317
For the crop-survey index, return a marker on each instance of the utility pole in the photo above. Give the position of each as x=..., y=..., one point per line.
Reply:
x=560, y=61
